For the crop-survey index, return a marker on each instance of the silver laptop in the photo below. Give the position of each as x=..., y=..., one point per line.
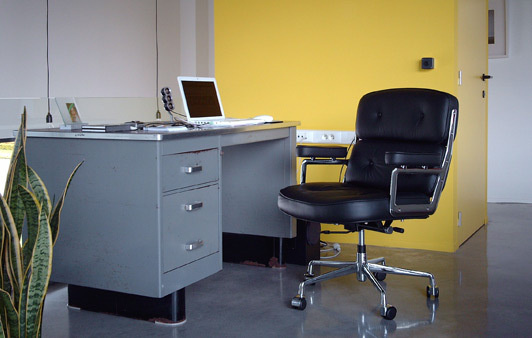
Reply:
x=202, y=104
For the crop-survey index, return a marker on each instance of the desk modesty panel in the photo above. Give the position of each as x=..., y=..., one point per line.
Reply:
x=144, y=214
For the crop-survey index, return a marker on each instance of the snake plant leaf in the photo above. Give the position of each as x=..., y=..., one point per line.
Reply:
x=6, y=266
x=1, y=330
x=10, y=283
x=11, y=174
x=32, y=207
x=1, y=252
x=56, y=214
x=20, y=176
x=21, y=135
x=40, y=191
x=23, y=304
x=13, y=259
x=19, y=144
x=9, y=315
x=41, y=268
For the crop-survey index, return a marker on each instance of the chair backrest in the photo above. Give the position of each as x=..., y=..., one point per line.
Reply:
x=409, y=120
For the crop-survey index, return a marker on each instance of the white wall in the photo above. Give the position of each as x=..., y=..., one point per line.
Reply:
x=510, y=112
x=104, y=53
x=102, y=48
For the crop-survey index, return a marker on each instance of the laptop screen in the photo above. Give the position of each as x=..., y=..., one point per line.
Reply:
x=201, y=99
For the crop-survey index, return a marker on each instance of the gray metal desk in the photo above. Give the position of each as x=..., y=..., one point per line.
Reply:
x=145, y=213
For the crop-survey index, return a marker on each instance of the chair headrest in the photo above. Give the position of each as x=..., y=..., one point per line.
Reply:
x=405, y=114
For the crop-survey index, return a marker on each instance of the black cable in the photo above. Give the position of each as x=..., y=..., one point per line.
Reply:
x=158, y=113
x=182, y=121
x=347, y=156
x=49, y=118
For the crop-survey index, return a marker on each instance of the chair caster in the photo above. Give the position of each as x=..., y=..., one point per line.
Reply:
x=434, y=292
x=389, y=312
x=299, y=303
x=380, y=276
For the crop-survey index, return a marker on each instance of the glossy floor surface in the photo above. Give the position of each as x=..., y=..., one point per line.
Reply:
x=484, y=291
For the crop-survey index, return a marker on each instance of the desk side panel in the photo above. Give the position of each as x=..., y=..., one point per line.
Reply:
x=252, y=175
x=109, y=234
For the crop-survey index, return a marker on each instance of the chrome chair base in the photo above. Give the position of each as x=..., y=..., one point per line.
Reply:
x=374, y=269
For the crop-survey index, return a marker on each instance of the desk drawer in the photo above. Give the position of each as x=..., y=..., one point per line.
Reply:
x=190, y=226
x=188, y=169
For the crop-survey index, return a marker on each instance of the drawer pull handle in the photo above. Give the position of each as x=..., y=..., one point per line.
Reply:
x=194, y=245
x=191, y=170
x=193, y=206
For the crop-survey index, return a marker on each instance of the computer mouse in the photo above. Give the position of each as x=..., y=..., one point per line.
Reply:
x=265, y=118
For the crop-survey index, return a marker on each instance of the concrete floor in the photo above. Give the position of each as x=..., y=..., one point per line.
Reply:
x=483, y=292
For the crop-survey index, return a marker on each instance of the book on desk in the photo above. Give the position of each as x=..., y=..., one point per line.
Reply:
x=106, y=128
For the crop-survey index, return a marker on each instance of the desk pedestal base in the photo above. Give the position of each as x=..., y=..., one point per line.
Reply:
x=169, y=309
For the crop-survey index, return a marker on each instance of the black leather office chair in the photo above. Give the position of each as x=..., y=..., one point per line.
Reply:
x=397, y=170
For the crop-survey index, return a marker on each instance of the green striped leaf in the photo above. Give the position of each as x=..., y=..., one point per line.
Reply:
x=56, y=214
x=20, y=141
x=15, y=202
x=13, y=260
x=21, y=135
x=41, y=265
x=9, y=315
x=2, y=232
x=23, y=304
x=39, y=189
x=32, y=207
x=10, y=283
x=7, y=270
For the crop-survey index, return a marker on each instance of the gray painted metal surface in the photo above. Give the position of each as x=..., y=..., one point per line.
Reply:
x=125, y=226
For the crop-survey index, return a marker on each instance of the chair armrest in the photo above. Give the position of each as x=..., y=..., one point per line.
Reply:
x=413, y=210
x=320, y=151
x=320, y=155
x=399, y=158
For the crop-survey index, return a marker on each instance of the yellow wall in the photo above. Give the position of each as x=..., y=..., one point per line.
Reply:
x=312, y=60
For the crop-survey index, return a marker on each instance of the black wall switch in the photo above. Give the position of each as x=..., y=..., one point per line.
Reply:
x=427, y=63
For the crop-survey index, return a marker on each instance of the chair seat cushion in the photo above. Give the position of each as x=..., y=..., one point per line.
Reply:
x=341, y=203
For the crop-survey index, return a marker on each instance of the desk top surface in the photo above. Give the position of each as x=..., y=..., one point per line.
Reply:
x=156, y=135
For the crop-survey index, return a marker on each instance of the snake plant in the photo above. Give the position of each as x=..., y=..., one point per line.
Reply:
x=30, y=225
